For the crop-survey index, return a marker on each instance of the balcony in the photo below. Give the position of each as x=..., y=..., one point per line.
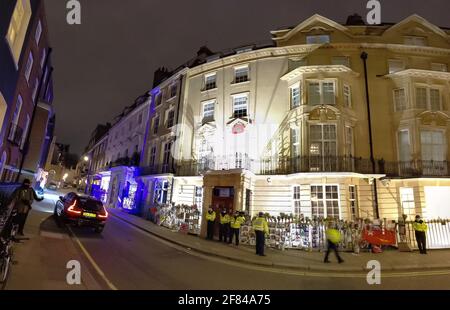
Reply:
x=15, y=134
x=304, y=164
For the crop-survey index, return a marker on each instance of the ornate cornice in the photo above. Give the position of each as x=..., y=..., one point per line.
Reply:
x=317, y=69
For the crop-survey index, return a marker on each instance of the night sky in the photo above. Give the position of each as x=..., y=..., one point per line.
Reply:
x=102, y=65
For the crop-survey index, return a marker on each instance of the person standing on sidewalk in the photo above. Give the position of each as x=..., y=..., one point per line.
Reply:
x=24, y=197
x=236, y=221
x=261, y=229
x=420, y=229
x=333, y=239
x=210, y=221
x=224, y=230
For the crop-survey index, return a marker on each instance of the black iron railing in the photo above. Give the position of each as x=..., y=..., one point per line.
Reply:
x=303, y=164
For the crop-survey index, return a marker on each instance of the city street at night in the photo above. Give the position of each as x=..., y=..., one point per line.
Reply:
x=129, y=258
x=226, y=152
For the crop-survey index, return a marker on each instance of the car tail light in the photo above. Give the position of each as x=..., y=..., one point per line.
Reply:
x=103, y=214
x=73, y=208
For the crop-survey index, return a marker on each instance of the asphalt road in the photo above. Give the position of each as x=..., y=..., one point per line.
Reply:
x=126, y=258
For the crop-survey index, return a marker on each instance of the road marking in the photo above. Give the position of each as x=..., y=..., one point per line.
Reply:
x=320, y=274
x=92, y=261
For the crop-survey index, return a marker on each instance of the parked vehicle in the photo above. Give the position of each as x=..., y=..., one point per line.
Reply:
x=52, y=186
x=81, y=210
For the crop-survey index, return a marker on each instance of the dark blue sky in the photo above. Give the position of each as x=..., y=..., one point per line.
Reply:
x=106, y=62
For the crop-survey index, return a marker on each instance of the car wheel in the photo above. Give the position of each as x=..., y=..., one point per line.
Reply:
x=99, y=229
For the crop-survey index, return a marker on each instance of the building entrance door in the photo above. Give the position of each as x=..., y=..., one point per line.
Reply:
x=222, y=199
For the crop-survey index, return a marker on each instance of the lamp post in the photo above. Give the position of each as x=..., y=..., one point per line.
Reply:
x=86, y=161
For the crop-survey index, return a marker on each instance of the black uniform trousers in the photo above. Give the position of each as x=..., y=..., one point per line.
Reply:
x=20, y=219
x=332, y=246
x=260, y=239
x=234, y=232
x=421, y=238
x=224, y=232
x=210, y=230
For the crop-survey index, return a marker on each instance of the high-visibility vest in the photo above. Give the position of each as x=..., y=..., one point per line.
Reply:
x=211, y=217
x=420, y=226
x=236, y=222
x=225, y=219
x=333, y=235
x=260, y=224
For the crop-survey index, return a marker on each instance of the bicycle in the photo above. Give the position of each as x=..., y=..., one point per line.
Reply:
x=8, y=231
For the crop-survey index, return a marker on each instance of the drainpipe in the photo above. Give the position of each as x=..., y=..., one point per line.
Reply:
x=36, y=101
x=364, y=57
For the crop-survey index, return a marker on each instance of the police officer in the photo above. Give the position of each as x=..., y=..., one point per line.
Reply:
x=210, y=220
x=333, y=239
x=420, y=229
x=224, y=230
x=235, y=223
x=261, y=229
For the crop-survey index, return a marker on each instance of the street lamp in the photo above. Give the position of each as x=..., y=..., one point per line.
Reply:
x=86, y=158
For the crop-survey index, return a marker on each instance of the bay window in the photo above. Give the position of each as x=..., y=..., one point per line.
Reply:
x=321, y=92
x=322, y=147
x=295, y=96
x=428, y=98
x=325, y=201
x=399, y=99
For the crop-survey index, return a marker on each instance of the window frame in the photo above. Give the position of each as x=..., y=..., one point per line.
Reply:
x=318, y=39
x=38, y=33
x=296, y=199
x=428, y=104
x=292, y=96
x=396, y=106
x=240, y=79
x=211, y=85
x=347, y=95
x=29, y=66
x=321, y=91
x=392, y=65
x=206, y=103
x=233, y=102
x=353, y=201
x=324, y=200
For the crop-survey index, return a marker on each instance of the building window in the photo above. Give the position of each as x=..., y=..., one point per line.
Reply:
x=295, y=141
x=158, y=99
x=413, y=40
x=241, y=74
x=161, y=191
x=240, y=105
x=399, y=99
x=322, y=147
x=318, y=39
x=295, y=96
x=35, y=89
x=325, y=201
x=155, y=124
x=353, y=201
x=166, y=156
x=15, y=118
x=395, y=65
x=347, y=96
x=38, y=33
x=296, y=200
x=433, y=145
x=404, y=146
x=170, y=118
x=407, y=202
x=321, y=92
x=198, y=197
x=29, y=66
x=296, y=63
x=208, y=109
x=173, y=90
x=341, y=60
x=349, y=148
x=428, y=99
x=18, y=28
x=210, y=81
x=439, y=67
x=25, y=132
x=152, y=156
x=44, y=54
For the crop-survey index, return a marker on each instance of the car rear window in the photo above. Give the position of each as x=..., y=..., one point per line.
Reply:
x=90, y=204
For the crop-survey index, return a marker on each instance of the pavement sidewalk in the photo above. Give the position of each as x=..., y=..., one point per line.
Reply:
x=390, y=260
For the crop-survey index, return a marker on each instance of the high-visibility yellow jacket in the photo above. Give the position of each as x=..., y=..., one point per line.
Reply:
x=420, y=226
x=225, y=219
x=236, y=222
x=211, y=216
x=333, y=235
x=260, y=224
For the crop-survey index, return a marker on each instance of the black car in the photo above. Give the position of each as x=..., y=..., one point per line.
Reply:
x=81, y=210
